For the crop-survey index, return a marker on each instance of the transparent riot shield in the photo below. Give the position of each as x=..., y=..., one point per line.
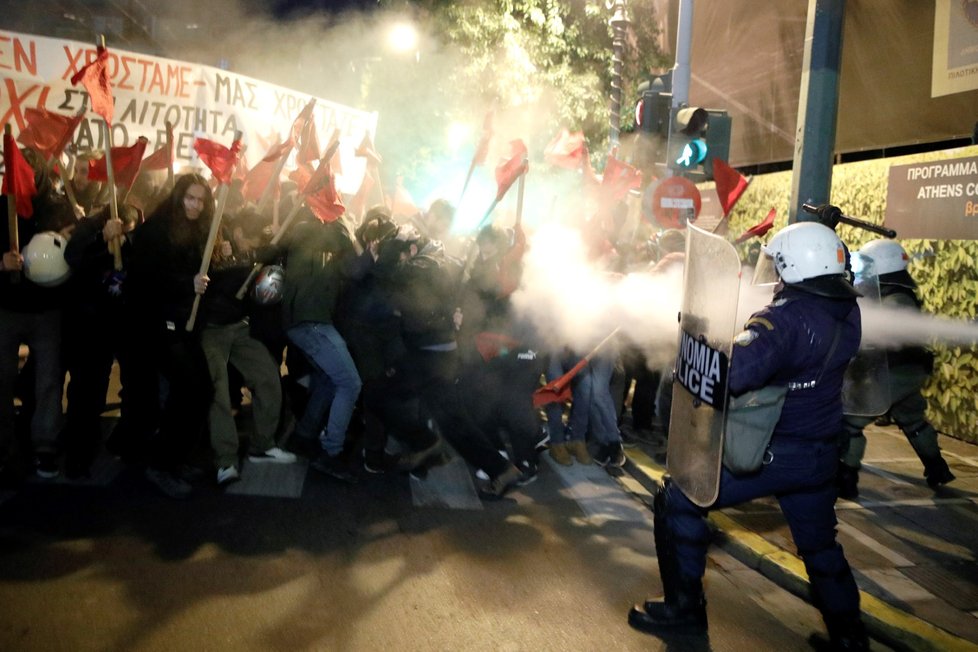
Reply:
x=708, y=323
x=866, y=387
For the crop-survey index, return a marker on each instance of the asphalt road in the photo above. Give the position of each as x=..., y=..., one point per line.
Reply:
x=291, y=560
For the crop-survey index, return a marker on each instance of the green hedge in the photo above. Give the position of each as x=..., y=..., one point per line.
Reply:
x=945, y=270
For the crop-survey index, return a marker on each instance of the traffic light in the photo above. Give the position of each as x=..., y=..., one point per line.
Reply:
x=653, y=107
x=697, y=137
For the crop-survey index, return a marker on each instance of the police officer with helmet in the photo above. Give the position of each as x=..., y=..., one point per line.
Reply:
x=803, y=340
x=909, y=368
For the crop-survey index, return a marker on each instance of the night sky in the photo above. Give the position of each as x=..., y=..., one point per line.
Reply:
x=285, y=8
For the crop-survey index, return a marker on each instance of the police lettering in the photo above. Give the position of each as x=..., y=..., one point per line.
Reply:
x=701, y=370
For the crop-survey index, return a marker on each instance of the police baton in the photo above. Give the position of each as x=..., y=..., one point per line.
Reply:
x=830, y=215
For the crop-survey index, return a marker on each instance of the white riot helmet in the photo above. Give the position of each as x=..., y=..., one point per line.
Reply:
x=44, y=259
x=888, y=256
x=268, y=285
x=806, y=250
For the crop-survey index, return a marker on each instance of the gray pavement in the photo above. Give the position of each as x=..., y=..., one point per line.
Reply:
x=913, y=549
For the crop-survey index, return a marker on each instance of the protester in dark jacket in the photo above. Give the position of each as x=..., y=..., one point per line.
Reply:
x=159, y=291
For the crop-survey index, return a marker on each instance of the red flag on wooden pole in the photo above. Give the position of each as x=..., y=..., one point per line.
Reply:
x=730, y=184
x=509, y=170
x=162, y=158
x=758, y=229
x=220, y=159
x=126, y=162
x=566, y=150
x=18, y=178
x=95, y=77
x=47, y=132
x=559, y=390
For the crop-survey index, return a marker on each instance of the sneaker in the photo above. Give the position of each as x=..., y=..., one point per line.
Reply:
x=46, y=465
x=497, y=487
x=544, y=441
x=611, y=455
x=378, y=462
x=168, y=484
x=227, y=475
x=578, y=448
x=334, y=468
x=560, y=454
x=529, y=472
x=628, y=438
x=274, y=455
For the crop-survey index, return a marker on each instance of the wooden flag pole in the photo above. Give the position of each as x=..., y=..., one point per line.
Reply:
x=267, y=193
x=12, y=230
x=115, y=245
x=169, y=156
x=519, y=195
x=205, y=262
x=257, y=267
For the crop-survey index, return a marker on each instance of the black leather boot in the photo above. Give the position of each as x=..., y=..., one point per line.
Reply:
x=683, y=605
x=686, y=612
x=846, y=632
x=937, y=472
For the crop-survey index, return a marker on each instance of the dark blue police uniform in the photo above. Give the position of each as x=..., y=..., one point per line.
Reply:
x=790, y=343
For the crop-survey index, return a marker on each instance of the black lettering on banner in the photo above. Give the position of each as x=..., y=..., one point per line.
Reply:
x=702, y=370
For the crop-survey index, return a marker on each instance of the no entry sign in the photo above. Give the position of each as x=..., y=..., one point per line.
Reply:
x=674, y=202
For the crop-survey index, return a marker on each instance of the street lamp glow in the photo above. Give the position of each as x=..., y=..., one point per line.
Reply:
x=403, y=37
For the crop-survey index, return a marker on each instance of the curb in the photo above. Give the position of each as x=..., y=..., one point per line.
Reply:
x=892, y=626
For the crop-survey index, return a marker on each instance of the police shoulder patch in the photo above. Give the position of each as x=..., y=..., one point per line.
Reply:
x=760, y=321
x=745, y=337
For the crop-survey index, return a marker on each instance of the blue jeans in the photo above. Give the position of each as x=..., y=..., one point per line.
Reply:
x=335, y=384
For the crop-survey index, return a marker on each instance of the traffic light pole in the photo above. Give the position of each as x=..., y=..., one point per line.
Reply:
x=681, y=69
x=818, y=105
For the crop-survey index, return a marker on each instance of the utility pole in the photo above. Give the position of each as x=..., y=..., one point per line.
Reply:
x=818, y=107
x=619, y=21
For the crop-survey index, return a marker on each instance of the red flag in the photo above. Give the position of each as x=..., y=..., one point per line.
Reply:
x=300, y=122
x=558, y=391
x=162, y=158
x=220, y=159
x=730, y=184
x=336, y=163
x=619, y=178
x=18, y=178
x=758, y=229
x=95, y=77
x=257, y=179
x=366, y=150
x=566, y=150
x=48, y=132
x=589, y=176
x=358, y=205
x=308, y=147
x=276, y=152
x=511, y=169
x=125, y=164
x=326, y=204
x=403, y=204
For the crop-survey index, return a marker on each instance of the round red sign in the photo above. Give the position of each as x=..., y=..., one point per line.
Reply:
x=675, y=201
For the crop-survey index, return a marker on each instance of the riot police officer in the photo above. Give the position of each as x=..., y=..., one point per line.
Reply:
x=804, y=341
x=909, y=368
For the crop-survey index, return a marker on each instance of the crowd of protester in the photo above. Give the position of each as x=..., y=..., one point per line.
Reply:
x=362, y=343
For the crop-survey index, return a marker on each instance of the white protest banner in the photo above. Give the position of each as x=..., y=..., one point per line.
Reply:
x=149, y=91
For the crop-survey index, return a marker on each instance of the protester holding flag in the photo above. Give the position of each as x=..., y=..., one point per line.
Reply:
x=226, y=339
x=95, y=330
x=30, y=313
x=315, y=252
x=162, y=282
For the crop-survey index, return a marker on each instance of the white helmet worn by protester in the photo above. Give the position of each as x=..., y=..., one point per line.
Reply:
x=44, y=259
x=888, y=255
